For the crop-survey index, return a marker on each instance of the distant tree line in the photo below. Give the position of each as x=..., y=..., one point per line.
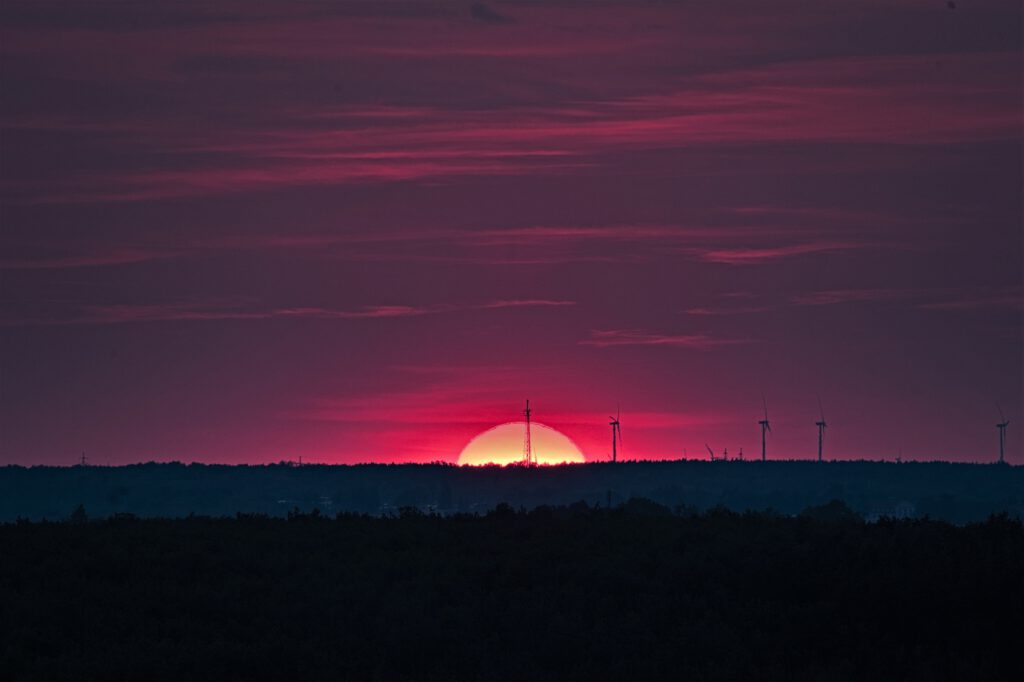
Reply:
x=954, y=492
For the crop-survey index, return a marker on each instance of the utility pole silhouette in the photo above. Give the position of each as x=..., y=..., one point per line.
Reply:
x=528, y=459
x=766, y=427
x=84, y=461
x=1003, y=423
x=821, y=427
x=616, y=434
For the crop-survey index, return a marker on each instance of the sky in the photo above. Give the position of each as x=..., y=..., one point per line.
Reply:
x=369, y=231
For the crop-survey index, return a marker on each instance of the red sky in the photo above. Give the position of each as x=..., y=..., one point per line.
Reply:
x=368, y=231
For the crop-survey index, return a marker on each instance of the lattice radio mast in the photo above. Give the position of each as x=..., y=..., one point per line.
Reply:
x=528, y=457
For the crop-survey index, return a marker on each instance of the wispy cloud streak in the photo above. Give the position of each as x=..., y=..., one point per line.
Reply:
x=943, y=299
x=608, y=338
x=92, y=259
x=1009, y=299
x=722, y=311
x=754, y=256
x=192, y=312
x=897, y=99
x=838, y=296
x=552, y=245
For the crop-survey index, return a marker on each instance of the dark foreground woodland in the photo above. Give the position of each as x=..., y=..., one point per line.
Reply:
x=563, y=593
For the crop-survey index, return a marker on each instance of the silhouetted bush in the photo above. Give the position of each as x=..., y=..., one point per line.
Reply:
x=835, y=511
x=78, y=515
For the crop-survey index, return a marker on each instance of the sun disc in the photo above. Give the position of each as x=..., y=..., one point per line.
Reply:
x=504, y=445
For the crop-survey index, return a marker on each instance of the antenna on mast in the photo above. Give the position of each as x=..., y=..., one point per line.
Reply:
x=528, y=457
x=84, y=461
x=766, y=427
x=1003, y=423
x=821, y=427
x=616, y=433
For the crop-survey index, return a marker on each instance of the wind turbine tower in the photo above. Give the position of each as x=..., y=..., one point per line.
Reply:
x=528, y=457
x=1003, y=423
x=766, y=428
x=616, y=434
x=821, y=428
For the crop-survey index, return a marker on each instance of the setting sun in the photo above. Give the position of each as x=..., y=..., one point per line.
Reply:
x=504, y=445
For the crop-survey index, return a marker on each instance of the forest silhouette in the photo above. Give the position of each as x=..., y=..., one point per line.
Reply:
x=959, y=493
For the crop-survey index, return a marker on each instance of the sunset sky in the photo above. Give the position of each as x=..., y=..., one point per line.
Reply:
x=369, y=231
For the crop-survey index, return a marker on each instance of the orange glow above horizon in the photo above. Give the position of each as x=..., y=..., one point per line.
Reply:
x=504, y=445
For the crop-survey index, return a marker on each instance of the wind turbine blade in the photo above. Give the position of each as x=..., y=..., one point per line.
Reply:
x=1002, y=417
x=821, y=410
x=765, y=403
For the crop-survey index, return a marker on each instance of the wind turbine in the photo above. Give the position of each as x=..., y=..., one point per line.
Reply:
x=821, y=427
x=616, y=433
x=1003, y=423
x=766, y=427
